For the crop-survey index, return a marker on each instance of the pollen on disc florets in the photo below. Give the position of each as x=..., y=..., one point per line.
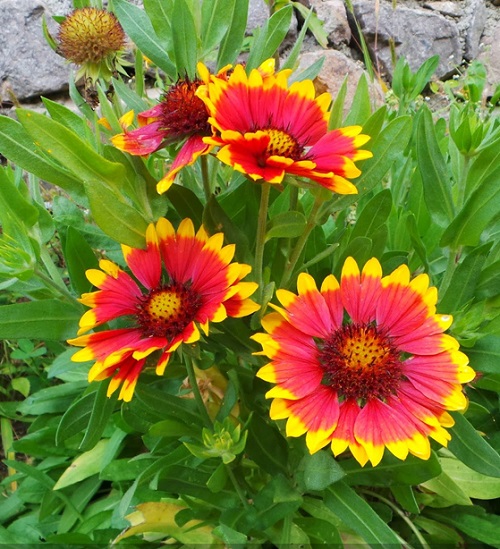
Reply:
x=360, y=362
x=90, y=35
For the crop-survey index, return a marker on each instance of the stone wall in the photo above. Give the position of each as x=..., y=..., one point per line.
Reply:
x=457, y=30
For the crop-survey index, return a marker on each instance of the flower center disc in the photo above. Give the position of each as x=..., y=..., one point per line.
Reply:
x=282, y=144
x=183, y=113
x=360, y=363
x=165, y=312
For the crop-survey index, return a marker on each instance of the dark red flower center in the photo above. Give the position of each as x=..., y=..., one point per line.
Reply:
x=360, y=362
x=183, y=113
x=166, y=311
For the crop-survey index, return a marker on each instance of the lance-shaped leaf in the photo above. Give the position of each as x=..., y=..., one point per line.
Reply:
x=67, y=148
x=436, y=178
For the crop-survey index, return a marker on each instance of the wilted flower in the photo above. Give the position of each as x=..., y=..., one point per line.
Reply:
x=183, y=280
x=94, y=39
x=364, y=364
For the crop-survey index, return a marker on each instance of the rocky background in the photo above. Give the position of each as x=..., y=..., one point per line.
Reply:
x=457, y=30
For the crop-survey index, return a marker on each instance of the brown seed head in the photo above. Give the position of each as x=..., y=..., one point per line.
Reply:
x=90, y=35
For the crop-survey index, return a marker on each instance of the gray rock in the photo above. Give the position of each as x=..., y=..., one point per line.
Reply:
x=490, y=56
x=336, y=67
x=28, y=66
x=334, y=17
x=258, y=13
x=417, y=34
x=446, y=7
x=474, y=21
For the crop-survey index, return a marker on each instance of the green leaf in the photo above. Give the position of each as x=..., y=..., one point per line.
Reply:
x=275, y=501
x=17, y=145
x=115, y=216
x=76, y=417
x=270, y=37
x=439, y=532
x=13, y=202
x=373, y=215
x=315, y=24
x=184, y=36
x=186, y=203
x=266, y=446
x=319, y=531
x=64, y=369
x=361, y=104
x=321, y=470
x=215, y=20
x=218, y=479
x=51, y=400
x=46, y=319
x=66, y=117
x=230, y=536
x=90, y=412
x=465, y=278
x=215, y=220
x=132, y=100
x=67, y=148
x=160, y=15
x=405, y=496
x=138, y=27
x=469, y=447
x=473, y=521
x=478, y=211
x=483, y=165
x=337, y=110
x=84, y=466
x=446, y=488
x=286, y=225
x=359, y=516
x=436, y=178
x=422, y=76
x=387, y=147
x=485, y=355
x=230, y=46
x=79, y=257
x=160, y=405
x=474, y=484
x=392, y=471
x=489, y=281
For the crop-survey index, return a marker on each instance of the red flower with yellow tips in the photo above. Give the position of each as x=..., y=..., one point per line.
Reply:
x=364, y=364
x=266, y=129
x=182, y=280
x=180, y=116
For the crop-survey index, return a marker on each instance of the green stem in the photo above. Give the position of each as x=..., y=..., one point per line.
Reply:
x=462, y=184
x=450, y=270
x=301, y=242
x=62, y=290
x=196, y=391
x=205, y=177
x=261, y=237
x=236, y=486
x=398, y=511
x=190, y=363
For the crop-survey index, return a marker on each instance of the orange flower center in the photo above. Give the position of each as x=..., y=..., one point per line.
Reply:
x=89, y=35
x=166, y=311
x=360, y=362
x=282, y=144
